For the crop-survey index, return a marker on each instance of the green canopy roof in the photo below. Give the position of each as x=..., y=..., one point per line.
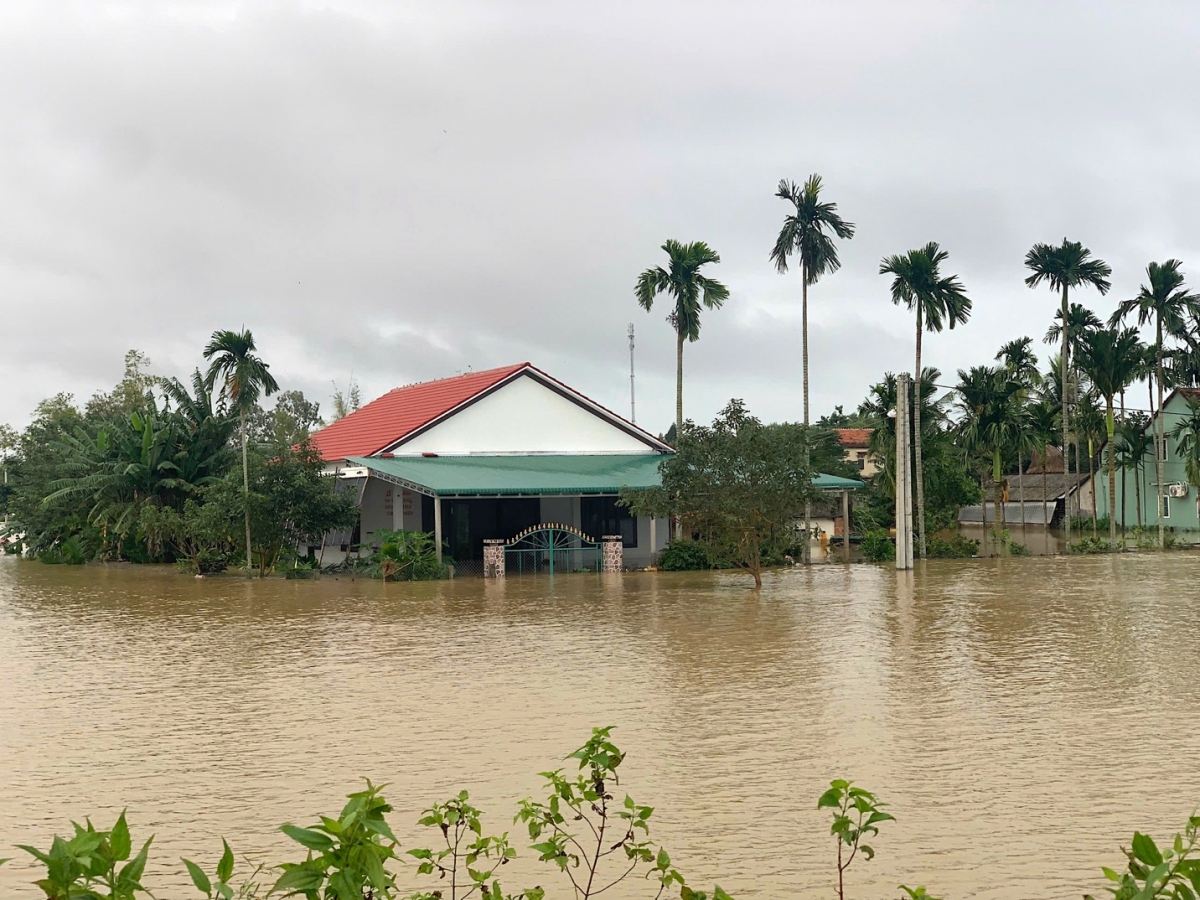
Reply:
x=834, y=483
x=547, y=474
x=465, y=476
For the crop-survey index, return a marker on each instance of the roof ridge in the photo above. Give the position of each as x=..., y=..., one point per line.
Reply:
x=510, y=368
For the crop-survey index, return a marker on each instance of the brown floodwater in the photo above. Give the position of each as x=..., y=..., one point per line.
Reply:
x=1021, y=716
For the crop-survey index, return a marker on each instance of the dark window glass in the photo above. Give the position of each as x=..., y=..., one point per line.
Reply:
x=602, y=515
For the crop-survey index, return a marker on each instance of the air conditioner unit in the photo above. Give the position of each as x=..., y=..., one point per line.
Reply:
x=1177, y=490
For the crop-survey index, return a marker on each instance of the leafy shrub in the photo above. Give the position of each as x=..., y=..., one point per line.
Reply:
x=1089, y=544
x=877, y=546
x=684, y=556
x=70, y=552
x=300, y=569
x=955, y=547
x=1015, y=549
x=408, y=556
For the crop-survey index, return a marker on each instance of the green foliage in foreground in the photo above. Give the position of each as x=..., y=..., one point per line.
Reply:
x=684, y=556
x=954, y=547
x=590, y=835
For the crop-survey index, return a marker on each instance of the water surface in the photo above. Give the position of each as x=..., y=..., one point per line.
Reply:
x=1021, y=716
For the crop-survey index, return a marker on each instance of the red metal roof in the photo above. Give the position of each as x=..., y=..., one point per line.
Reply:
x=401, y=411
x=855, y=437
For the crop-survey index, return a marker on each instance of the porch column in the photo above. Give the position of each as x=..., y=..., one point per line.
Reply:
x=653, y=541
x=493, y=558
x=437, y=525
x=612, y=550
x=846, y=523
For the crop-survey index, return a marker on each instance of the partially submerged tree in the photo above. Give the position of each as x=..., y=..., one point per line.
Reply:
x=739, y=484
x=231, y=357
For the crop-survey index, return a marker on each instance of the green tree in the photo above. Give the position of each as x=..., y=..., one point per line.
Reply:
x=1134, y=443
x=808, y=233
x=1167, y=303
x=939, y=301
x=1187, y=435
x=738, y=483
x=1066, y=266
x=245, y=376
x=1020, y=361
x=689, y=290
x=1042, y=422
x=1111, y=359
x=991, y=418
x=290, y=422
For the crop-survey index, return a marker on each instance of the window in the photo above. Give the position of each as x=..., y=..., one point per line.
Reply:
x=862, y=460
x=602, y=516
x=1166, y=507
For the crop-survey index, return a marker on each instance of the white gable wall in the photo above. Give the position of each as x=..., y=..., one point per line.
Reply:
x=524, y=416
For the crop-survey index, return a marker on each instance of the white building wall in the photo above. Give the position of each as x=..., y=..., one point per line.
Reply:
x=524, y=416
x=378, y=508
x=644, y=553
x=410, y=510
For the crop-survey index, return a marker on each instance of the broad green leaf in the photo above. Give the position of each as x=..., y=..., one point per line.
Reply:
x=307, y=837
x=225, y=866
x=131, y=874
x=299, y=879
x=118, y=839
x=199, y=879
x=832, y=797
x=1145, y=849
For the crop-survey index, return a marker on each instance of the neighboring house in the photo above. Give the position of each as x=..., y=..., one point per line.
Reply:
x=1040, y=504
x=487, y=455
x=856, y=444
x=1179, y=509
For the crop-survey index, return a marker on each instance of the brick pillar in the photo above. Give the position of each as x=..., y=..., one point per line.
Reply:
x=493, y=558
x=612, y=550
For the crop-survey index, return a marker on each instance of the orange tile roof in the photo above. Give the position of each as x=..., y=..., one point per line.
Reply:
x=855, y=437
x=401, y=411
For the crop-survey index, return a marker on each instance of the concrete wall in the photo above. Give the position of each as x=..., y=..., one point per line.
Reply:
x=378, y=508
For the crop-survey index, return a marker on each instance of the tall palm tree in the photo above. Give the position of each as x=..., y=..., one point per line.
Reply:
x=1135, y=444
x=939, y=300
x=1170, y=305
x=808, y=232
x=1111, y=359
x=1064, y=267
x=244, y=375
x=689, y=290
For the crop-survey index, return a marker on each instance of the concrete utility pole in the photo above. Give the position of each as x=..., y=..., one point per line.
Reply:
x=632, y=404
x=904, y=521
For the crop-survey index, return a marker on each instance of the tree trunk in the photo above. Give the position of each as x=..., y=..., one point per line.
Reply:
x=1160, y=438
x=678, y=412
x=1137, y=489
x=985, y=530
x=917, y=441
x=1047, y=518
x=807, y=556
x=1092, y=481
x=1021, y=487
x=1066, y=429
x=1112, y=478
x=246, y=493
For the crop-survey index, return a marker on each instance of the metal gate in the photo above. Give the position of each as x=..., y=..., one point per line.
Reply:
x=552, y=548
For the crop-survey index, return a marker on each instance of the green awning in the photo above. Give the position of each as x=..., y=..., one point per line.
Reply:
x=466, y=476
x=834, y=483
x=475, y=476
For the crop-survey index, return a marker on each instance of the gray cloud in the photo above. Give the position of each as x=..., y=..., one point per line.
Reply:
x=407, y=190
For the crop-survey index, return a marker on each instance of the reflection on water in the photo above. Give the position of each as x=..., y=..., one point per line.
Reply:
x=1021, y=716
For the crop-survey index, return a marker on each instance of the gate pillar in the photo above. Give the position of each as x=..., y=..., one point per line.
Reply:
x=612, y=550
x=493, y=558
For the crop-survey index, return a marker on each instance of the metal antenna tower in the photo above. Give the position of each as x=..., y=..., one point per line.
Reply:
x=632, y=402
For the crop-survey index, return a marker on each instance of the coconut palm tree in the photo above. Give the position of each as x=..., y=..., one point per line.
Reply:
x=1064, y=267
x=1170, y=305
x=808, y=232
x=939, y=300
x=244, y=376
x=1111, y=359
x=689, y=290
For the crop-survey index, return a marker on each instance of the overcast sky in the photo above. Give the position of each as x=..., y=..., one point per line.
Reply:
x=403, y=191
